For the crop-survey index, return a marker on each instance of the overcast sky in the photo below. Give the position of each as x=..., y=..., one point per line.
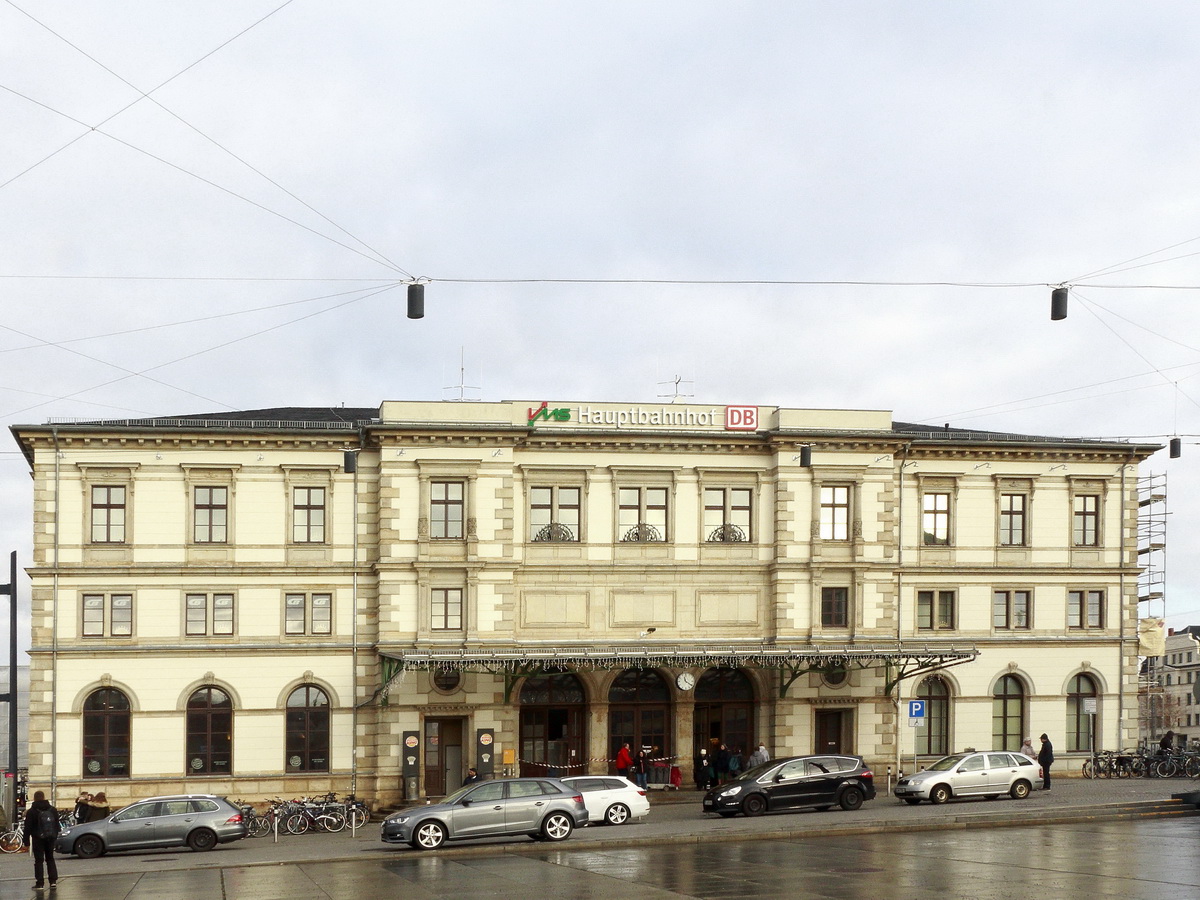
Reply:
x=241, y=238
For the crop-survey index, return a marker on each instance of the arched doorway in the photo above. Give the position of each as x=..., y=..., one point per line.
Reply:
x=553, y=713
x=724, y=711
x=639, y=713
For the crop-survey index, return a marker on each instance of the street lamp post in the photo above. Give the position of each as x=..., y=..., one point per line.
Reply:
x=10, y=697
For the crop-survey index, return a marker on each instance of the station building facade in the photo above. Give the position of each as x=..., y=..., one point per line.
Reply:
x=288, y=601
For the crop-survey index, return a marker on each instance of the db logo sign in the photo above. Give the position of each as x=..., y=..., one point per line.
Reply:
x=741, y=418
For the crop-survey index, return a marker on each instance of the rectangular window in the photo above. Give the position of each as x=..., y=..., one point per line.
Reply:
x=1012, y=519
x=642, y=514
x=308, y=515
x=447, y=507
x=935, y=610
x=210, y=515
x=1085, y=609
x=447, y=609
x=108, y=514
x=308, y=614
x=835, y=607
x=107, y=615
x=835, y=513
x=1086, y=520
x=209, y=614
x=727, y=514
x=935, y=520
x=1011, y=610
x=554, y=513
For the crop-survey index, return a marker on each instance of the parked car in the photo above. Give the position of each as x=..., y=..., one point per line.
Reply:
x=543, y=808
x=986, y=773
x=199, y=821
x=793, y=783
x=610, y=800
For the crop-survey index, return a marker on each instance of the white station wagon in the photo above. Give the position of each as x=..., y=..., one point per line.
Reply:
x=987, y=773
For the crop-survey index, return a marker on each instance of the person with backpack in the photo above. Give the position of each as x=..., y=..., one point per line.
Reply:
x=735, y=763
x=41, y=831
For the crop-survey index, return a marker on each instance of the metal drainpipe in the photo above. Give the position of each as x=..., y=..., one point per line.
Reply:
x=54, y=626
x=899, y=582
x=1121, y=594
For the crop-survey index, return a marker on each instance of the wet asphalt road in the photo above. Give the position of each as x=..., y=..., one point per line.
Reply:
x=679, y=853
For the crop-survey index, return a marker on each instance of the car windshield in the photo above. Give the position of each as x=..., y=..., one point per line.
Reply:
x=753, y=774
x=945, y=763
x=459, y=794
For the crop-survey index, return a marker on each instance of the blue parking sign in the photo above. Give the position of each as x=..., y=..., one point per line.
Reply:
x=916, y=709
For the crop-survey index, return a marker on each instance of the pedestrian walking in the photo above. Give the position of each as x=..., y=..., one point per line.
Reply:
x=41, y=831
x=1027, y=749
x=640, y=766
x=701, y=764
x=98, y=807
x=624, y=761
x=1045, y=757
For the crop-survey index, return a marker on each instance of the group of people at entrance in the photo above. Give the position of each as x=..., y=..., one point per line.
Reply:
x=718, y=764
x=635, y=765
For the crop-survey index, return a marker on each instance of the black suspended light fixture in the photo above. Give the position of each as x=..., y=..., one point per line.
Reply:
x=416, y=300
x=1176, y=447
x=1058, y=303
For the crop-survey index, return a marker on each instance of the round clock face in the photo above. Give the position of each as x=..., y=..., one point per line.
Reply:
x=686, y=681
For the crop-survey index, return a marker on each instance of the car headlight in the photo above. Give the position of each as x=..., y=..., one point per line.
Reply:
x=729, y=791
x=398, y=820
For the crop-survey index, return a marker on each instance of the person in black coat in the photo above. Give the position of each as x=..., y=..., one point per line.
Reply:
x=472, y=777
x=41, y=831
x=1045, y=758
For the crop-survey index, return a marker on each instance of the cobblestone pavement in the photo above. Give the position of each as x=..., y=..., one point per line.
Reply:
x=675, y=818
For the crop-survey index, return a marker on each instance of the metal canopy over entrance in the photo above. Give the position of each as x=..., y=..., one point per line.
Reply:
x=515, y=660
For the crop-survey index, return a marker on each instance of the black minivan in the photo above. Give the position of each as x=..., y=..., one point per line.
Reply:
x=795, y=783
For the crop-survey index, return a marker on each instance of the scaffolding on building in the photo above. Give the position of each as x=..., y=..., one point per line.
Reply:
x=1152, y=545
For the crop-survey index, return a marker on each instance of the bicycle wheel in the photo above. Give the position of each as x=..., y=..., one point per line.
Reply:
x=1106, y=768
x=297, y=823
x=1137, y=766
x=10, y=841
x=358, y=817
x=1088, y=770
x=331, y=820
x=1165, y=768
x=1192, y=767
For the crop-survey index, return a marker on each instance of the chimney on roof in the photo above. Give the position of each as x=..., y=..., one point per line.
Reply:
x=1170, y=631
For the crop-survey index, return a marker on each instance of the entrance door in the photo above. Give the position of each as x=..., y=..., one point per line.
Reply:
x=833, y=731
x=443, y=756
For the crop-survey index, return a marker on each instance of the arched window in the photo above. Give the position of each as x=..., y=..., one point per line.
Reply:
x=306, y=737
x=1008, y=714
x=934, y=738
x=1079, y=723
x=209, y=732
x=639, y=713
x=106, y=734
x=553, y=725
x=724, y=711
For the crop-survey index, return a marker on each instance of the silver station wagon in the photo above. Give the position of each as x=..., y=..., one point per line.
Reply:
x=987, y=773
x=199, y=821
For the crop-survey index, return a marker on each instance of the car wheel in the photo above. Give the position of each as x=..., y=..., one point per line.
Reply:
x=1020, y=790
x=202, y=839
x=754, y=805
x=89, y=847
x=852, y=799
x=617, y=814
x=429, y=836
x=940, y=794
x=912, y=801
x=557, y=827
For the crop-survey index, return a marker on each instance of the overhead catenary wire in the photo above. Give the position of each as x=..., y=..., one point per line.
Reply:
x=380, y=257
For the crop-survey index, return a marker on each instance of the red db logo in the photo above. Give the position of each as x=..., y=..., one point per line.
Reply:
x=741, y=418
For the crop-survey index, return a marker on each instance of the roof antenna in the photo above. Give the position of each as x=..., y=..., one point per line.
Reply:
x=677, y=391
x=462, y=387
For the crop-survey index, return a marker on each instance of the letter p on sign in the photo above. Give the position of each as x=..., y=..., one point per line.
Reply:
x=741, y=418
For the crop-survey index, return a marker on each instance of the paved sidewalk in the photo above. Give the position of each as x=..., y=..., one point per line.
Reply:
x=675, y=818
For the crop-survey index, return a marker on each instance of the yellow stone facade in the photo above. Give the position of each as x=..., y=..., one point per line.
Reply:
x=793, y=546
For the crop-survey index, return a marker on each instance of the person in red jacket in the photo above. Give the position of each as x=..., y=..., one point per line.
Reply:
x=624, y=761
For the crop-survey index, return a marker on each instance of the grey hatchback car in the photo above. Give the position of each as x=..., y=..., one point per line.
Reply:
x=982, y=773
x=543, y=808
x=199, y=821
